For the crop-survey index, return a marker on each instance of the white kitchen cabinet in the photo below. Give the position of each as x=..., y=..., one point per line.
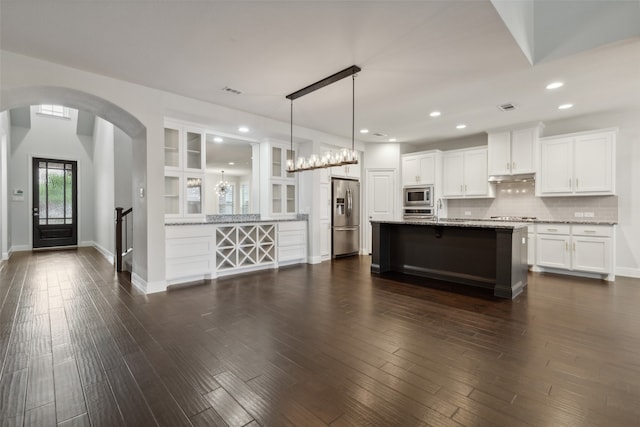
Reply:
x=578, y=164
x=579, y=248
x=465, y=173
x=279, y=186
x=553, y=246
x=531, y=237
x=513, y=152
x=419, y=168
x=184, y=162
x=346, y=171
x=292, y=242
x=183, y=195
x=190, y=251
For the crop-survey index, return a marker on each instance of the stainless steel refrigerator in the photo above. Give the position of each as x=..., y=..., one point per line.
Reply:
x=345, y=221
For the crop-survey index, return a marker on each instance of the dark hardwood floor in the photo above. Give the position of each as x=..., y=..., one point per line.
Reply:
x=309, y=345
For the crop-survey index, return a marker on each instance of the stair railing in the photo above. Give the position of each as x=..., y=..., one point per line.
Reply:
x=124, y=235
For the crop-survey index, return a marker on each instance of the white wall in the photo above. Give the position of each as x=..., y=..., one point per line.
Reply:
x=103, y=187
x=52, y=138
x=627, y=178
x=5, y=135
x=140, y=112
x=123, y=163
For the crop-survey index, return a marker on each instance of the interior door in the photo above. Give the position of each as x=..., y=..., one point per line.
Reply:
x=55, y=203
x=381, y=197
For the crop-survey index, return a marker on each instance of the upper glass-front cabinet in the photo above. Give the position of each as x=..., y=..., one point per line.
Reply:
x=184, y=163
x=183, y=149
x=171, y=148
x=195, y=145
x=279, y=159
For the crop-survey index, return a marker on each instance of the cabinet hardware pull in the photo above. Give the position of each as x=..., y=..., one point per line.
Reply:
x=566, y=246
x=465, y=188
x=514, y=165
x=461, y=188
x=574, y=246
x=569, y=182
x=552, y=229
x=589, y=231
x=577, y=183
x=507, y=165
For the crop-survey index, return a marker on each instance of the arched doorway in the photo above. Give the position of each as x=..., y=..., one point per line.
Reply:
x=106, y=110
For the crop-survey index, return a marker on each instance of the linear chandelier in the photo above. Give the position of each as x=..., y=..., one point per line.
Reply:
x=329, y=158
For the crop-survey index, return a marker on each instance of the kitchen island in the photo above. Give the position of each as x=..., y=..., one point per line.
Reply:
x=484, y=254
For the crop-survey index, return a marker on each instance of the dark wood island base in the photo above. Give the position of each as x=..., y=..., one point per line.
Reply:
x=483, y=254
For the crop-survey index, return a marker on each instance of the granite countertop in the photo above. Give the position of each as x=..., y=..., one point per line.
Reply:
x=505, y=225
x=235, y=219
x=541, y=221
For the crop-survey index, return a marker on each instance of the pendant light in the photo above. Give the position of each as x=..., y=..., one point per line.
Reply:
x=329, y=158
x=222, y=187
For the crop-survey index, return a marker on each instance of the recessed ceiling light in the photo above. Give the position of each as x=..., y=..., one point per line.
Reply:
x=392, y=140
x=364, y=130
x=434, y=113
x=217, y=139
x=564, y=106
x=231, y=163
x=555, y=85
x=461, y=126
x=243, y=129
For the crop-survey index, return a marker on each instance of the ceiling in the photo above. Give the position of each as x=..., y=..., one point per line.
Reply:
x=463, y=58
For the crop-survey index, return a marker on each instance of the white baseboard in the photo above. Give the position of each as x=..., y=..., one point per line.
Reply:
x=6, y=255
x=628, y=272
x=145, y=287
x=105, y=253
x=314, y=259
x=19, y=248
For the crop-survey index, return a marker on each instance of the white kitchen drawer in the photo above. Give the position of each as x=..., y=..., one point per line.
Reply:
x=290, y=253
x=189, y=247
x=292, y=225
x=179, y=231
x=592, y=230
x=553, y=229
x=291, y=238
x=188, y=267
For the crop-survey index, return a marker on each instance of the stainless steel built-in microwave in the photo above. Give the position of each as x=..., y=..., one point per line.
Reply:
x=418, y=196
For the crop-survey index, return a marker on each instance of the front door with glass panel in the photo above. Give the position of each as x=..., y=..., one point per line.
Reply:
x=54, y=203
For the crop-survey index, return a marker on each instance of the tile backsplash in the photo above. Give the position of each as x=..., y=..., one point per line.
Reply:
x=518, y=199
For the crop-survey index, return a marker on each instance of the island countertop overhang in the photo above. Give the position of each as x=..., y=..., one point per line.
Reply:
x=464, y=224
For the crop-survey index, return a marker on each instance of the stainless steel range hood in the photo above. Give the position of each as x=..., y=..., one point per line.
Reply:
x=521, y=177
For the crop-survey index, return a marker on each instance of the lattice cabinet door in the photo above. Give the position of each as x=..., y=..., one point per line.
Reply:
x=247, y=245
x=226, y=247
x=266, y=243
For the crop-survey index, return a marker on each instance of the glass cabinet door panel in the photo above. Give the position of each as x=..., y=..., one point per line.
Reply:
x=276, y=198
x=276, y=161
x=194, y=195
x=194, y=150
x=171, y=148
x=171, y=195
x=291, y=198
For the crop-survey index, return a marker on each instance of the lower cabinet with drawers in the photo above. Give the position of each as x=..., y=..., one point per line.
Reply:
x=204, y=251
x=292, y=242
x=575, y=248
